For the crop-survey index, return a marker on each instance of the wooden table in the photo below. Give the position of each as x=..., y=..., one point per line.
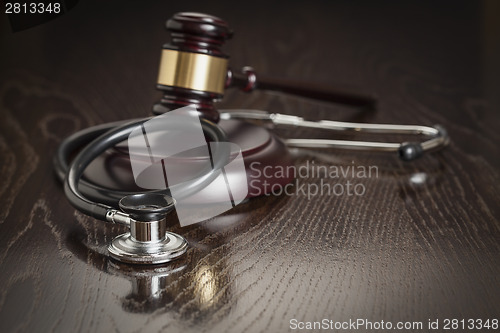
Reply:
x=421, y=243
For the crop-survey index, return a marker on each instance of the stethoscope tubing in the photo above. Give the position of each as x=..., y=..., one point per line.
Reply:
x=98, y=202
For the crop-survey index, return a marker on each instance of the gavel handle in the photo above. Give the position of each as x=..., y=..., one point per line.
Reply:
x=248, y=81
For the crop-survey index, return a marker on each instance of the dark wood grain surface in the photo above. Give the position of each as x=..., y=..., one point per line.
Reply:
x=421, y=243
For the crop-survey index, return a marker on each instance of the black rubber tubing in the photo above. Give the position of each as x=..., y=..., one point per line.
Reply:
x=98, y=139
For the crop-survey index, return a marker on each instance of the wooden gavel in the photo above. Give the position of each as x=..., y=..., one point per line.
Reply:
x=195, y=71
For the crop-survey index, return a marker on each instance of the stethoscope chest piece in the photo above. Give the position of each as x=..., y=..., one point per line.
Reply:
x=148, y=242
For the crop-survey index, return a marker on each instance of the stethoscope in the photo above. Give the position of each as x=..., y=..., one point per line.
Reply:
x=148, y=241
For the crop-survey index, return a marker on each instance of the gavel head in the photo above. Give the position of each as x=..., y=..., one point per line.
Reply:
x=193, y=69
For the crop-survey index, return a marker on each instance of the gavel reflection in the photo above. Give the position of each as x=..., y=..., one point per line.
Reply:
x=194, y=71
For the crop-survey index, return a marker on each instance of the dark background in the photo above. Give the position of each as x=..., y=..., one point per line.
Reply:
x=403, y=251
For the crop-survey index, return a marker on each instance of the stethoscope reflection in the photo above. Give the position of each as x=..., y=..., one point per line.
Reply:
x=149, y=286
x=200, y=279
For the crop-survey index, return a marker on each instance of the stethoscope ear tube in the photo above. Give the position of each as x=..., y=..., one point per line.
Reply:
x=407, y=151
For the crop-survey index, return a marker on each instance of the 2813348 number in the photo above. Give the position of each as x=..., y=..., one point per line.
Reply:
x=471, y=324
x=32, y=8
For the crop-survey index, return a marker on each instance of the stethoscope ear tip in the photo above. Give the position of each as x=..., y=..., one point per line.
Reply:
x=409, y=151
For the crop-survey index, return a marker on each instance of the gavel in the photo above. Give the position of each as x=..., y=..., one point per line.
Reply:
x=195, y=71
